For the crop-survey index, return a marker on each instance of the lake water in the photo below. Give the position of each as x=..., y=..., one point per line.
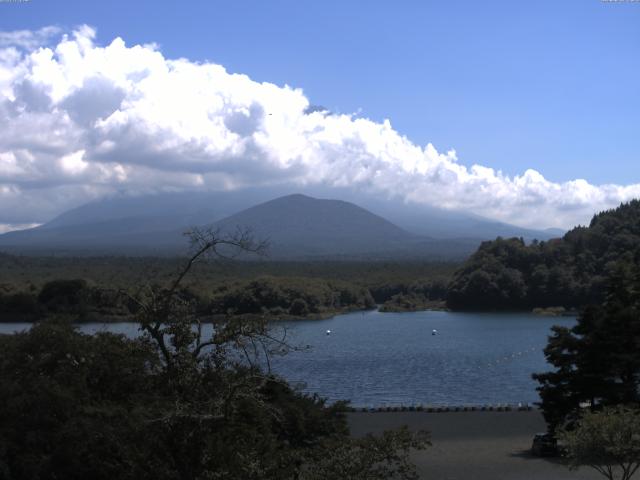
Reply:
x=377, y=359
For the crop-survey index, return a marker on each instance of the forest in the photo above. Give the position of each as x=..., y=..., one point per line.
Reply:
x=572, y=271
x=99, y=288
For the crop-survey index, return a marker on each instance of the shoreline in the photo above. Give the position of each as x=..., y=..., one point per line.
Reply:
x=445, y=408
x=98, y=317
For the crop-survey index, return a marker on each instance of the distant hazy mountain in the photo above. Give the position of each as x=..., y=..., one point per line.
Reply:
x=148, y=225
x=445, y=224
x=432, y=221
x=175, y=209
x=296, y=225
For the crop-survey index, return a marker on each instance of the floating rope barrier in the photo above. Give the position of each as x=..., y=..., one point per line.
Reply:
x=508, y=358
x=502, y=407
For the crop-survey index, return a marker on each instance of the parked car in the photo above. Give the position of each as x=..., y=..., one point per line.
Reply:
x=544, y=445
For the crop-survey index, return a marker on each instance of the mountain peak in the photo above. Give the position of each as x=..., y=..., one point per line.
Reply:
x=295, y=196
x=298, y=225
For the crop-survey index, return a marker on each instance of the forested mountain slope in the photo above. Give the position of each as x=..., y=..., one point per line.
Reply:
x=571, y=271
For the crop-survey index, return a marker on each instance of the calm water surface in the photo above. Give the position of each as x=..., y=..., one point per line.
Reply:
x=375, y=358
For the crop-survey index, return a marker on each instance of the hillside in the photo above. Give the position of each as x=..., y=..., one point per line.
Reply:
x=301, y=227
x=298, y=226
x=445, y=224
x=570, y=272
x=149, y=224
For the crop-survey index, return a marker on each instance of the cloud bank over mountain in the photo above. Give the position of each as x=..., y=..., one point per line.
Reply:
x=79, y=120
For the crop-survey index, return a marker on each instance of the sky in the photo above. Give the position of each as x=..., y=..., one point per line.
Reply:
x=526, y=112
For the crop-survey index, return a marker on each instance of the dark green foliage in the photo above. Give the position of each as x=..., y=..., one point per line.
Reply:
x=77, y=406
x=597, y=362
x=607, y=441
x=290, y=296
x=74, y=298
x=69, y=402
x=299, y=308
x=174, y=404
x=411, y=302
x=570, y=272
x=70, y=297
x=63, y=293
x=20, y=306
x=411, y=296
x=90, y=289
x=130, y=272
x=370, y=457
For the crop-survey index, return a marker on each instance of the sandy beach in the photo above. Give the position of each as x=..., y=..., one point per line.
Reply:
x=474, y=445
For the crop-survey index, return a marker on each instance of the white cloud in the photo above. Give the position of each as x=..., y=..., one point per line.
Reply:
x=10, y=227
x=79, y=120
x=28, y=39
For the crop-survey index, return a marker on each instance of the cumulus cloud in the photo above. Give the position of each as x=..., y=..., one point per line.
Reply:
x=79, y=120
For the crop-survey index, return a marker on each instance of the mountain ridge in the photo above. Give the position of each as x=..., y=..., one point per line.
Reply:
x=299, y=226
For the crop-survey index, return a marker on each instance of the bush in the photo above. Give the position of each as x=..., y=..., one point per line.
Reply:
x=63, y=294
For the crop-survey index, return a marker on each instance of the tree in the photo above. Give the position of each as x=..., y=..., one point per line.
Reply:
x=506, y=273
x=75, y=406
x=597, y=362
x=175, y=404
x=219, y=385
x=607, y=441
x=371, y=457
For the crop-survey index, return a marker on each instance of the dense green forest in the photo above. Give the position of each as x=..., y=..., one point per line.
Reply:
x=29, y=272
x=99, y=289
x=569, y=272
x=294, y=296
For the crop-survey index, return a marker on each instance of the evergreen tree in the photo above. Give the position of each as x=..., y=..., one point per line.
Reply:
x=597, y=362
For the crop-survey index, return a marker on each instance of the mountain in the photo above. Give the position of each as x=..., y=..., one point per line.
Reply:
x=431, y=221
x=297, y=226
x=446, y=224
x=304, y=227
x=146, y=225
x=175, y=210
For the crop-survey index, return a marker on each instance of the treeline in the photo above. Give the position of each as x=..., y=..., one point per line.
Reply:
x=569, y=272
x=270, y=296
x=26, y=273
x=273, y=297
x=98, y=289
x=411, y=297
x=297, y=297
x=74, y=298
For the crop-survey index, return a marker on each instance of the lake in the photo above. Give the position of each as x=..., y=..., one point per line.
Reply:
x=378, y=359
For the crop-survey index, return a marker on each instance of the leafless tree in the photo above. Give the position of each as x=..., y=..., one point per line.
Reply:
x=170, y=318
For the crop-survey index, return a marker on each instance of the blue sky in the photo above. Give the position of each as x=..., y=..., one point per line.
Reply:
x=540, y=101
x=549, y=85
